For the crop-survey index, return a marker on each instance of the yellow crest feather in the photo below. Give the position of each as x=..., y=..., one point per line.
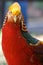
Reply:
x=15, y=8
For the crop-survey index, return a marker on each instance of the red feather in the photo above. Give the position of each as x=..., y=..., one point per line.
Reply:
x=15, y=47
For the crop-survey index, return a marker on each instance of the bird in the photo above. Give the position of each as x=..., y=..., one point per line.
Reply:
x=14, y=46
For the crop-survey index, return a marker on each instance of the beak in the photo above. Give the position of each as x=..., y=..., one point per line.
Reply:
x=15, y=19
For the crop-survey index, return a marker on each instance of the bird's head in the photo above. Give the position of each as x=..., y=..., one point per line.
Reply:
x=14, y=12
x=15, y=8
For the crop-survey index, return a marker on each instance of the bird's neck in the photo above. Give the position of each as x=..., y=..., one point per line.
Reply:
x=14, y=26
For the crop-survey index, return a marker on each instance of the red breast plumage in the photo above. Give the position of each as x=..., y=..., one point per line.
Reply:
x=15, y=47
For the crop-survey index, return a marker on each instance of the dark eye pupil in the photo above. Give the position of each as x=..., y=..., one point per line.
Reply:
x=10, y=12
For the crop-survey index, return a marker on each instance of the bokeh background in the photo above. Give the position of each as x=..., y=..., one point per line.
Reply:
x=33, y=16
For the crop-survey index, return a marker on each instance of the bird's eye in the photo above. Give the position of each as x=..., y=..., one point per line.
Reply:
x=9, y=13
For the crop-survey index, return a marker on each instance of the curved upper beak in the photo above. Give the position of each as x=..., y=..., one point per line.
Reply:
x=15, y=19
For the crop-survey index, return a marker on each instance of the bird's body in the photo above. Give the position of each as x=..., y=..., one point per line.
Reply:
x=15, y=47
